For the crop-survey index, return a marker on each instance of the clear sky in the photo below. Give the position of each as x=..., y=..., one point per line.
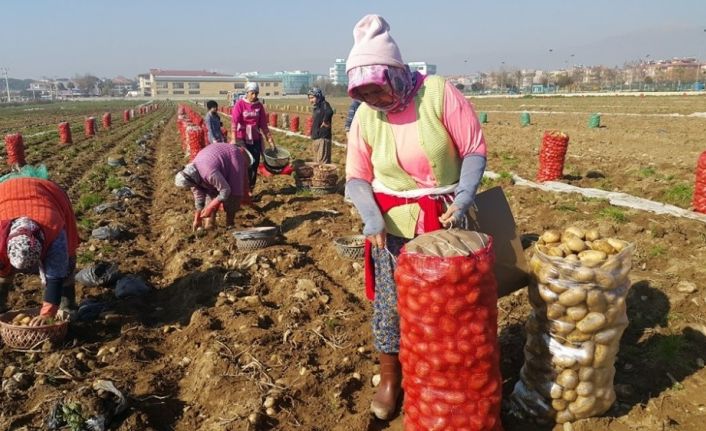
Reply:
x=55, y=38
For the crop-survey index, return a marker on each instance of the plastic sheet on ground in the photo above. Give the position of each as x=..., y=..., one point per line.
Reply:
x=107, y=232
x=98, y=274
x=131, y=285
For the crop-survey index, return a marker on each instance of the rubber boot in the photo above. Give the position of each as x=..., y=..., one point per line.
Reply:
x=384, y=404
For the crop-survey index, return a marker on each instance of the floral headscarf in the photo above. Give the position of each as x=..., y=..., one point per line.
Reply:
x=318, y=94
x=402, y=82
x=188, y=177
x=24, y=243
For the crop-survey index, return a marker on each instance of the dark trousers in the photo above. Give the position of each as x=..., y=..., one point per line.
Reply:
x=255, y=151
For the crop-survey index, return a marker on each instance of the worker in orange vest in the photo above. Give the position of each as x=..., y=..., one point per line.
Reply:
x=38, y=233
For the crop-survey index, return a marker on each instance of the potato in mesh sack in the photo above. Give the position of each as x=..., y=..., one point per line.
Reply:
x=579, y=282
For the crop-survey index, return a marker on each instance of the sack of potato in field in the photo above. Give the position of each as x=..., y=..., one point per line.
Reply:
x=579, y=282
x=447, y=302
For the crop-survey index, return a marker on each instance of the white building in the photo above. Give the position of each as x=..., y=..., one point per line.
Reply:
x=422, y=67
x=337, y=73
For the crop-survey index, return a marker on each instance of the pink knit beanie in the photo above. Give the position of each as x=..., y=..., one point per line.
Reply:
x=373, y=44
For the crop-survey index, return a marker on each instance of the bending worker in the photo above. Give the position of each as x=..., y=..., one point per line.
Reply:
x=218, y=175
x=38, y=234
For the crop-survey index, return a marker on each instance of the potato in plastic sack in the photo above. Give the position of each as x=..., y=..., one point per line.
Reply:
x=579, y=282
x=447, y=302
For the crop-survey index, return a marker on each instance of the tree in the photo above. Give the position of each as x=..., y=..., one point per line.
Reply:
x=460, y=86
x=330, y=89
x=564, y=81
x=106, y=87
x=86, y=83
x=477, y=86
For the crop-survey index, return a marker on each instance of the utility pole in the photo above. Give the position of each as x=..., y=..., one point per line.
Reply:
x=7, y=84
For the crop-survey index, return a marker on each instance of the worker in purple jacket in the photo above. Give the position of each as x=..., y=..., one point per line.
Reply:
x=217, y=175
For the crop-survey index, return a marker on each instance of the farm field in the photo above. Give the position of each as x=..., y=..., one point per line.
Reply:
x=225, y=330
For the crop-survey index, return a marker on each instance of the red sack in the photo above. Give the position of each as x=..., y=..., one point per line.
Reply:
x=273, y=119
x=449, y=350
x=294, y=124
x=107, y=120
x=126, y=115
x=309, y=126
x=551, y=155
x=194, y=139
x=65, y=133
x=15, y=147
x=89, y=127
x=699, y=199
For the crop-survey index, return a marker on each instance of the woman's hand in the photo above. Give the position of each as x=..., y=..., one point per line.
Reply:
x=197, y=221
x=41, y=320
x=378, y=240
x=448, y=219
x=211, y=208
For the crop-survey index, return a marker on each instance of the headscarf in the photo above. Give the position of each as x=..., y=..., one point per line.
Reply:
x=24, y=243
x=375, y=59
x=188, y=177
x=252, y=86
x=401, y=82
x=318, y=94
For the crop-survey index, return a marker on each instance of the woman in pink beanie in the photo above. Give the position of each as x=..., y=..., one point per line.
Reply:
x=416, y=155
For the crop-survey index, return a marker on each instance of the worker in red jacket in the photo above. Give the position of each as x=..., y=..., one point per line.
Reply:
x=38, y=233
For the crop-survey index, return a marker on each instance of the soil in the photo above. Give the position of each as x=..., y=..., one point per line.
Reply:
x=224, y=330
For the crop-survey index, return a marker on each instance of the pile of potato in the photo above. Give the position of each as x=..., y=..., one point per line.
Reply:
x=21, y=319
x=577, y=291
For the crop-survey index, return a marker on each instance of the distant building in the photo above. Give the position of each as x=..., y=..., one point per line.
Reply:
x=422, y=67
x=270, y=85
x=198, y=84
x=144, y=84
x=294, y=82
x=121, y=86
x=337, y=73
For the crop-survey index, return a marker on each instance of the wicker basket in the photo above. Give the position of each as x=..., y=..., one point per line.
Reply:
x=255, y=238
x=254, y=244
x=30, y=337
x=352, y=247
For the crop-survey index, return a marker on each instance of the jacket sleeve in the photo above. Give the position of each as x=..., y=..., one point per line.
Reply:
x=221, y=184
x=351, y=113
x=328, y=114
x=199, y=198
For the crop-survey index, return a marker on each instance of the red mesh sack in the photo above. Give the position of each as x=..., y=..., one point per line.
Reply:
x=181, y=126
x=294, y=124
x=194, y=138
x=107, y=120
x=126, y=115
x=65, y=133
x=309, y=126
x=204, y=135
x=699, y=199
x=448, y=348
x=15, y=149
x=551, y=155
x=273, y=119
x=89, y=127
